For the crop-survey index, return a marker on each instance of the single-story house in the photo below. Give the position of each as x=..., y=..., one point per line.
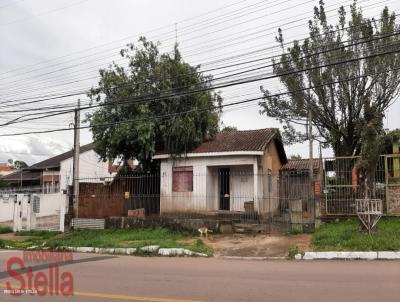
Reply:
x=234, y=170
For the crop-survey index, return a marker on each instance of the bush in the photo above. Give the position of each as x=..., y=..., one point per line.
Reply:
x=5, y=229
x=293, y=251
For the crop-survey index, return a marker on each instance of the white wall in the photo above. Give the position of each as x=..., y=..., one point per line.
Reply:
x=90, y=166
x=205, y=184
x=6, y=207
x=51, y=203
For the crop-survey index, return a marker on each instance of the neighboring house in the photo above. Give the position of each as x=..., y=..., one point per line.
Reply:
x=6, y=169
x=295, y=184
x=236, y=169
x=55, y=173
x=91, y=168
x=295, y=180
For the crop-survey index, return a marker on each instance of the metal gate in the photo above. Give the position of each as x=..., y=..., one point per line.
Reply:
x=296, y=200
x=28, y=216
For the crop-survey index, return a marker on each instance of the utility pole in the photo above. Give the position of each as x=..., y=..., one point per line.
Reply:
x=75, y=178
x=314, y=203
x=310, y=162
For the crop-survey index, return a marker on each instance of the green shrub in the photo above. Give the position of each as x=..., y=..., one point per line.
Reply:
x=293, y=251
x=5, y=229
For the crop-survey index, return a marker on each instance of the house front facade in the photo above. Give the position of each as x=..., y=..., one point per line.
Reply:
x=237, y=171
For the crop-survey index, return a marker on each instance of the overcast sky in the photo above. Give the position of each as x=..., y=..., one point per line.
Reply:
x=57, y=46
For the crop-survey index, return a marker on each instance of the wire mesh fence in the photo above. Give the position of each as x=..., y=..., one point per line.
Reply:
x=342, y=184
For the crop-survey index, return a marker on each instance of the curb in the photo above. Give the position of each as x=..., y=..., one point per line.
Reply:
x=380, y=255
x=250, y=258
x=150, y=250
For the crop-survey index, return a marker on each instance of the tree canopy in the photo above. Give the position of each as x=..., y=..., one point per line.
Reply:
x=17, y=164
x=229, y=128
x=391, y=137
x=145, y=105
x=346, y=100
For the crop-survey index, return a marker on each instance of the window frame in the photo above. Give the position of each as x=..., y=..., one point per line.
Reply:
x=180, y=183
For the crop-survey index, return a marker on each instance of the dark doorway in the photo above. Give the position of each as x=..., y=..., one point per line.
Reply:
x=224, y=189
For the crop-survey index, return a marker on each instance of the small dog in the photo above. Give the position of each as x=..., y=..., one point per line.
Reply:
x=204, y=230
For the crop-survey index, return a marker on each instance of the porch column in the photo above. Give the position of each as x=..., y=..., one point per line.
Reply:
x=255, y=183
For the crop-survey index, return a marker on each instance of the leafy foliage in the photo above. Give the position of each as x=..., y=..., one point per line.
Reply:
x=389, y=139
x=229, y=128
x=17, y=164
x=142, y=112
x=341, y=95
x=295, y=157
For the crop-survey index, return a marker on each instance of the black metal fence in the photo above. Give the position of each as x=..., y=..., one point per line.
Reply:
x=246, y=199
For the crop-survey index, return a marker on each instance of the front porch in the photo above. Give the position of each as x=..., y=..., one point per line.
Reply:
x=233, y=188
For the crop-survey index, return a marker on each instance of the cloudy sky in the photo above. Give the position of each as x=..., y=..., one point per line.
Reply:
x=55, y=47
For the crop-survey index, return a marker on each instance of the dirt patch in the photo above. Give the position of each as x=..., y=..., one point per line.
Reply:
x=256, y=245
x=12, y=236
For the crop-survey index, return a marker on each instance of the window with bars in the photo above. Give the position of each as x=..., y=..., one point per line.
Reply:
x=182, y=179
x=36, y=204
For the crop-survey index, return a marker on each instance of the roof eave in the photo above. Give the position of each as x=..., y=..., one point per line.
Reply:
x=206, y=154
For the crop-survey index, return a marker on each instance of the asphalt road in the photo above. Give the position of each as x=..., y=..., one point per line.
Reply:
x=128, y=278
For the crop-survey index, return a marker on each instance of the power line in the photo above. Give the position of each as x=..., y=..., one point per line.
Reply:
x=51, y=72
x=43, y=13
x=215, y=107
x=122, y=39
x=153, y=97
x=232, y=65
x=75, y=81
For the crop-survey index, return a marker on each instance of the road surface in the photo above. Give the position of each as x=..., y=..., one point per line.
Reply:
x=128, y=278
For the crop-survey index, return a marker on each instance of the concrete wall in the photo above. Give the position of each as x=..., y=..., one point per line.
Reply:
x=269, y=163
x=7, y=207
x=90, y=166
x=52, y=207
x=51, y=203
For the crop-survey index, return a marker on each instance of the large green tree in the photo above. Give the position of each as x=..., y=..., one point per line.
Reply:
x=347, y=101
x=145, y=106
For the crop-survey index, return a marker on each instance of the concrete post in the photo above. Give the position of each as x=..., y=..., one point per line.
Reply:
x=29, y=212
x=255, y=180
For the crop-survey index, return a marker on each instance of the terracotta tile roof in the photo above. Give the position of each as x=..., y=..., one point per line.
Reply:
x=6, y=169
x=245, y=140
x=241, y=140
x=300, y=164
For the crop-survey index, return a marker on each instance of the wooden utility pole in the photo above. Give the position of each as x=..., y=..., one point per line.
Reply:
x=75, y=177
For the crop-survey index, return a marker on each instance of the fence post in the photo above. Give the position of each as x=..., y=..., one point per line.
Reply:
x=15, y=213
x=387, y=192
x=18, y=212
x=29, y=212
x=62, y=215
x=255, y=184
